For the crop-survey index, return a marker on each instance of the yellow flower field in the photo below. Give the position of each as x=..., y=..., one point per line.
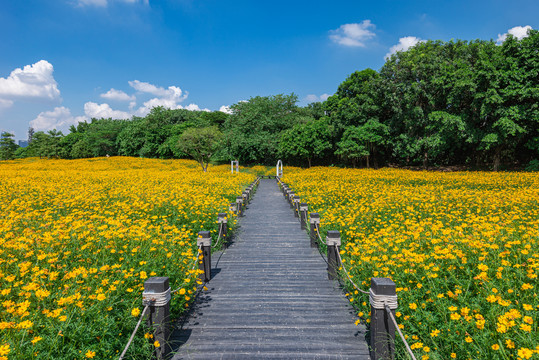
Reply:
x=462, y=248
x=78, y=239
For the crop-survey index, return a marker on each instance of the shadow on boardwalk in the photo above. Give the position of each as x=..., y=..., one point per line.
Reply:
x=269, y=297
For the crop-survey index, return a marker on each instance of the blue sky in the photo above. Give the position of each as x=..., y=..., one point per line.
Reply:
x=64, y=61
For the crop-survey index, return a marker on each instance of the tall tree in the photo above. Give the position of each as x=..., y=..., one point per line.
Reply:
x=30, y=134
x=201, y=144
x=308, y=139
x=7, y=146
x=254, y=127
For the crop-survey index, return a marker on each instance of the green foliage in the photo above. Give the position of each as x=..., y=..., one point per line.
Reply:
x=7, y=146
x=437, y=103
x=308, y=139
x=253, y=130
x=201, y=144
x=363, y=141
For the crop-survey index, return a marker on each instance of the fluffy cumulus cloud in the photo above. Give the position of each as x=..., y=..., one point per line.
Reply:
x=353, y=35
x=32, y=82
x=170, y=97
x=314, y=98
x=117, y=95
x=404, y=44
x=172, y=92
x=225, y=109
x=59, y=118
x=98, y=111
x=519, y=32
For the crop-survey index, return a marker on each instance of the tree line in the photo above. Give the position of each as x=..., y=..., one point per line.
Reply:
x=472, y=103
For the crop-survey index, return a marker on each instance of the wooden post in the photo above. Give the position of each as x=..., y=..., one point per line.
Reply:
x=223, y=225
x=232, y=208
x=204, y=241
x=239, y=206
x=296, y=206
x=303, y=208
x=333, y=241
x=291, y=199
x=159, y=314
x=315, y=222
x=382, y=328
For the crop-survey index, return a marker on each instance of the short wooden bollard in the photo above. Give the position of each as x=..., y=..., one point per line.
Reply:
x=303, y=208
x=157, y=296
x=239, y=206
x=382, y=328
x=296, y=206
x=204, y=243
x=291, y=199
x=245, y=196
x=333, y=241
x=315, y=223
x=223, y=224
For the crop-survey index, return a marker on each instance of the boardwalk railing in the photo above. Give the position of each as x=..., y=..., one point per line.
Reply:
x=382, y=292
x=157, y=294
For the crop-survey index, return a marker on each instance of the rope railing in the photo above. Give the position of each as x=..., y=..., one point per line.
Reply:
x=390, y=313
x=379, y=300
x=157, y=293
x=219, y=237
x=134, y=332
x=348, y=275
x=317, y=226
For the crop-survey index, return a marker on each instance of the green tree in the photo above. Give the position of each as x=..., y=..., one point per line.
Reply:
x=253, y=130
x=201, y=144
x=31, y=132
x=308, y=139
x=363, y=142
x=7, y=146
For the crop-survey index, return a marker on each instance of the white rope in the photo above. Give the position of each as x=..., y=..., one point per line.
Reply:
x=134, y=332
x=156, y=299
x=381, y=301
x=317, y=226
x=219, y=237
x=346, y=272
x=388, y=310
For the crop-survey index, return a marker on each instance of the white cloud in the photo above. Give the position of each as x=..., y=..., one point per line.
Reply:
x=173, y=92
x=195, y=107
x=59, y=118
x=354, y=35
x=98, y=111
x=155, y=102
x=314, y=98
x=29, y=83
x=117, y=95
x=225, y=109
x=404, y=44
x=519, y=32
x=168, y=98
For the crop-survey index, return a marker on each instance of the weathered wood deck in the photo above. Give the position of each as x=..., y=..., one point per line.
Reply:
x=270, y=297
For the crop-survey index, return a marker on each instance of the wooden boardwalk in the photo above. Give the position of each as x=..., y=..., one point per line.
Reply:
x=270, y=297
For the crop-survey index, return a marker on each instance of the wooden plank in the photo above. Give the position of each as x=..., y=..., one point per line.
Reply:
x=269, y=297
